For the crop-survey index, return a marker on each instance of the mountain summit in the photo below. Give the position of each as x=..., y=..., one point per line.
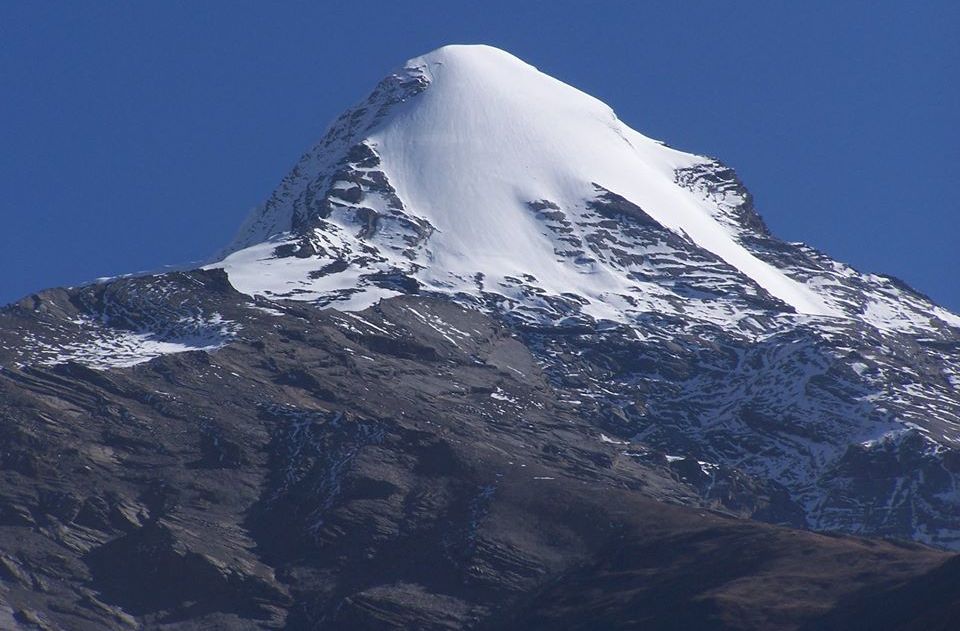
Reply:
x=487, y=358
x=469, y=172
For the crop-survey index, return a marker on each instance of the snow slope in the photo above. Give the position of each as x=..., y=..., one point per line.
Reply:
x=493, y=133
x=480, y=138
x=470, y=173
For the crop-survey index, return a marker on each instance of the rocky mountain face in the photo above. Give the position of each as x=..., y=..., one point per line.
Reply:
x=489, y=359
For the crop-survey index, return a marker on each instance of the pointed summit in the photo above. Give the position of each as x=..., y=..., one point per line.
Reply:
x=470, y=58
x=470, y=173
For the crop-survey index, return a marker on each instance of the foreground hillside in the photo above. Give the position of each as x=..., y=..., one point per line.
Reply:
x=408, y=466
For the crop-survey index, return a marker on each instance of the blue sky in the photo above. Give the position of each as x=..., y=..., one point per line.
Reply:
x=135, y=135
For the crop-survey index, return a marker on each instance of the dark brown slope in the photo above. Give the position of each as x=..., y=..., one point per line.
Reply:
x=730, y=577
x=409, y=470
x=930, y=601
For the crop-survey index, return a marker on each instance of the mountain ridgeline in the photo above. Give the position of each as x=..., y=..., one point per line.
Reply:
x=487, y=358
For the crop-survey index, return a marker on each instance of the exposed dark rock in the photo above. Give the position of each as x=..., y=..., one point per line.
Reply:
x=323, y=472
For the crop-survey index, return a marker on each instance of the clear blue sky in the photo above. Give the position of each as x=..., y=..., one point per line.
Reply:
x=134, y=134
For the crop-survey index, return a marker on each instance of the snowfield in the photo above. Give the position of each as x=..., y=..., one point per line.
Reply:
x=492, y=134
x=460, y=150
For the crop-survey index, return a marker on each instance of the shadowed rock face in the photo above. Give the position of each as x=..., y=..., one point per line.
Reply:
x=417, y=465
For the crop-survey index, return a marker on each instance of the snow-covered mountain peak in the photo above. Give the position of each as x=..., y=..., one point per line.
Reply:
x=478, y=80
x=641, y=279
x=471, y=173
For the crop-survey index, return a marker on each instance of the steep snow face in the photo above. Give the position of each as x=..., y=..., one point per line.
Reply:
x=470, y=141
x=472, y=174
x=492, y=133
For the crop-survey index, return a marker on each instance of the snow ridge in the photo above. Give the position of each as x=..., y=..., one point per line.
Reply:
x=467, y=138
x=470, y=173
x=492, y=134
